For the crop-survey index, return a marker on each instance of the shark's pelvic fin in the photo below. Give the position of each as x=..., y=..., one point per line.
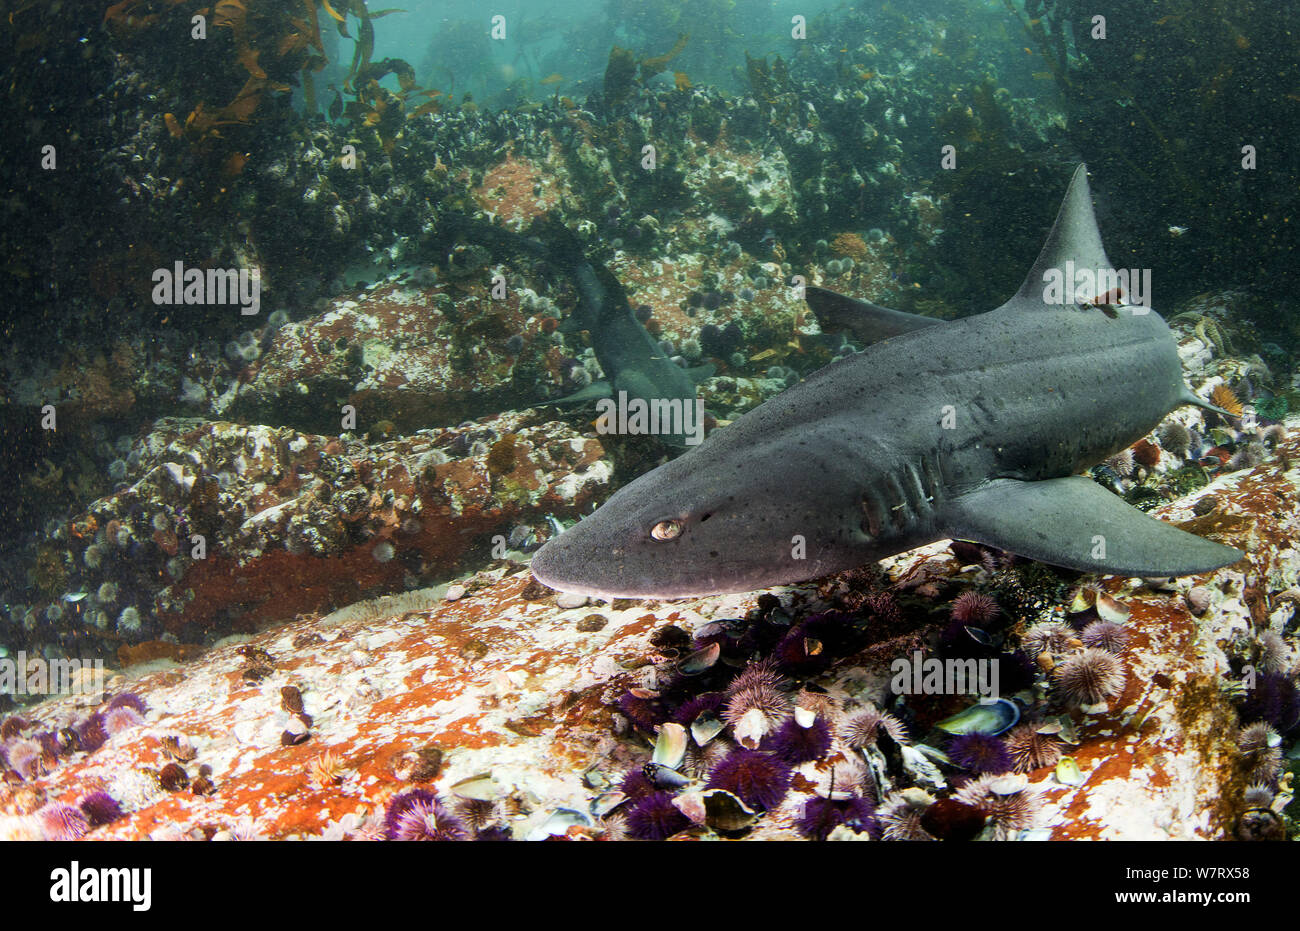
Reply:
x=593, y=392
x=867, y=322
x=1075, y=523
x=1188, y=397
x=1074, y=237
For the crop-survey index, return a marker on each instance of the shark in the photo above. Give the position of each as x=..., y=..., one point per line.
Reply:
x=975, y=429
x=636, y=367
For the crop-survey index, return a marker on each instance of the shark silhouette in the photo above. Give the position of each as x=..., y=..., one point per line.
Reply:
x=632, y=360
x=975, y=429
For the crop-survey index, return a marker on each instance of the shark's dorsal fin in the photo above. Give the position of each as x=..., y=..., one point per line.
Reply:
x=1075, y=523
x=1074, y=237
x=865, y=321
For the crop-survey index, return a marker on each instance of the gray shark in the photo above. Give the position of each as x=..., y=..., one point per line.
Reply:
x=975, y=429
x=632, y=360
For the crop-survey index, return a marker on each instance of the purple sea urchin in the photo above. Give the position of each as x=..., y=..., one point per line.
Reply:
x=121, y=718
x=1010, y=804
x=62, y=822
x=900, y=817
x=419, y=815
x=1090, y=676
x=1047, y=637
x=756, y=778
x=129, y=700
x=793, y=744
x=1030, y=749
x=1273, y=699
x=655, y=817
x=1106, y=635
x=864, y=728
x=91, y=734
x=971, y=607
x=820, y=816
x=1261, y=752
x=980, y=753
x=100, y=808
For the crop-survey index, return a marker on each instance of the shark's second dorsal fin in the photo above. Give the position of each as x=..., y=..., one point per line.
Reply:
x=863, y=320
x=1074, y=238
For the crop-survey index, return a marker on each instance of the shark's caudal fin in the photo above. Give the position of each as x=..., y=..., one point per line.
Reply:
x=1074, y=237
x=865, y=321
x=1075, y=523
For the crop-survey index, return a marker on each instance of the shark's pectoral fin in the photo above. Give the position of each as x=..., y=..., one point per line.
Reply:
x=593, y=392
x=867, y=322
x=1190, y=398
x=701, y=373
x=1075, y=523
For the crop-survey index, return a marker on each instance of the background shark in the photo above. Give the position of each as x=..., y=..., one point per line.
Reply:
x=630, y=357
x=974, y=429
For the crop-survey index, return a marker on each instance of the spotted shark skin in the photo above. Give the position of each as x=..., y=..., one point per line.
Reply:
x=974, y=429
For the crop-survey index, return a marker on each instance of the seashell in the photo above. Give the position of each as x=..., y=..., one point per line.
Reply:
x=670, y=747
x=691, y=804
x=557, y=824
x=805, y=717
x=480, y=788
x=1111, y=609
x=692, y=664
x=606, y=802
x=934, y=753
x=1009, y=784
x=987, y=717
x=1067, y=772
x=707, y=726
x=1068, y=733
x=725, y=812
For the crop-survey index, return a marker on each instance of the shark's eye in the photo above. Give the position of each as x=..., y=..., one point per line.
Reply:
x=666, y=530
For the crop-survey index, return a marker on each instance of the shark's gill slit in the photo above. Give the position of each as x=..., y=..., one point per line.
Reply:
x=870, y=515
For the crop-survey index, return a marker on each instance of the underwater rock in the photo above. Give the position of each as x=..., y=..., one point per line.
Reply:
x=504, y=681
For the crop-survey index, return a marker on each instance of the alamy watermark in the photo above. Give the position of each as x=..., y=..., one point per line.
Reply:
x=654, y=416
x=21, y=675
x=916, y=675
x=181, y=285
x=1098, y=286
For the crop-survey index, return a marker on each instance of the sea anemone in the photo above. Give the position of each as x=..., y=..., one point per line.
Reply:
x=980, y=753
x=1090, y=676
x=1031, y=749
x=792, y=743
x=820, y=816
x=863, y=729
x=971, y=607
x=655, y=817
x=1222, y=396
x=62, y=822
x=1106, y=635
x=756, y=778
x=1010, y=804
x=419, y=815
x=1274, y=700
x=99, y=808
x=1047, y=637
x=900, y=817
